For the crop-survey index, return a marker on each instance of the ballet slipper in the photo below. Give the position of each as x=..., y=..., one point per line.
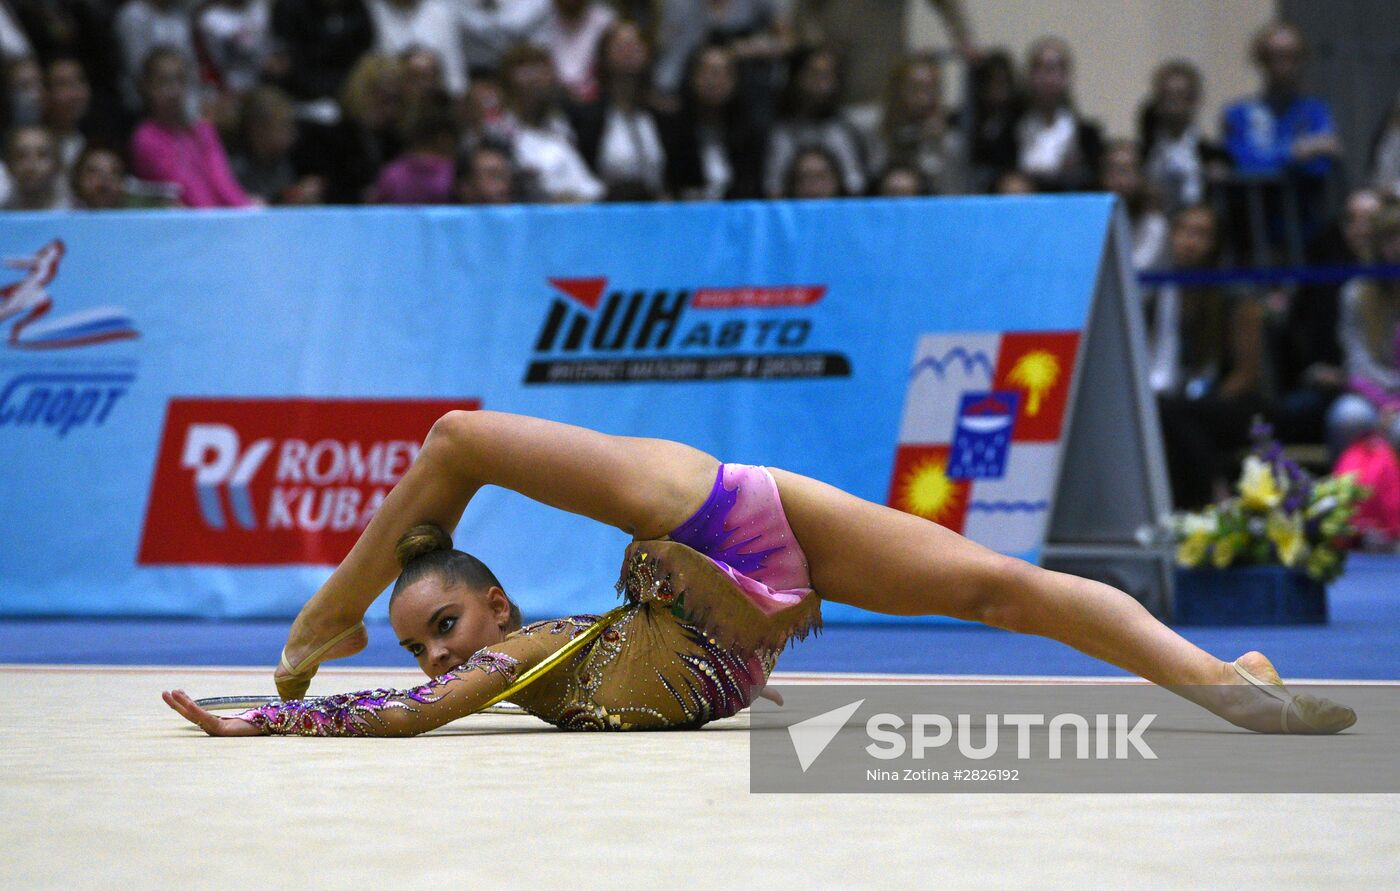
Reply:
x=1298, y=713
x=292, y=682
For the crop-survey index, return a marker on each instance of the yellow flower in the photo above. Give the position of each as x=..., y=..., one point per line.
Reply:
x=1258, y=487
x=1287, y=535
x=1224, y=552
x=1192, y=551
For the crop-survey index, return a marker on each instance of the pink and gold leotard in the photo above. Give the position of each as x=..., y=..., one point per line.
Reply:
x=708, y=610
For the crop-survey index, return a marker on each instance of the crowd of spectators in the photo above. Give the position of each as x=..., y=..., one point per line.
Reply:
x=234, y=103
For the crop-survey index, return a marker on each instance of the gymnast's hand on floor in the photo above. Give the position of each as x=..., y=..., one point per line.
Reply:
x=207, y=721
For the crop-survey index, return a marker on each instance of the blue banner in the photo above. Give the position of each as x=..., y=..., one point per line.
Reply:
x=199, y=411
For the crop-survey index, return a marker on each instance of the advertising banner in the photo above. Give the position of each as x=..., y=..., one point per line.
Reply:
x=200, y=411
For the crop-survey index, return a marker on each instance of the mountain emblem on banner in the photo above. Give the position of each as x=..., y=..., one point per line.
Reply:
x=979, y=438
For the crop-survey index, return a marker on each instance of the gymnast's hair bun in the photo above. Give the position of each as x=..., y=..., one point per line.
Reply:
x=421, y=540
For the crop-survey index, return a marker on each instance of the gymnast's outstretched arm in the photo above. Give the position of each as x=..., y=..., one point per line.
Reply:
x=644, y=487
x=460, y=692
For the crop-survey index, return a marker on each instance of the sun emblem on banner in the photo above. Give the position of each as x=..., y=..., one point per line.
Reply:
x=1036, y=372
x=927, y=489
x=921, y=486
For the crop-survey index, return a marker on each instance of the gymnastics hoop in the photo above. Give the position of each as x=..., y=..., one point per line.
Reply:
x=496, y=705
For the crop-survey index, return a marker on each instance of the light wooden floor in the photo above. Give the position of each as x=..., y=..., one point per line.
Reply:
x=101, y=786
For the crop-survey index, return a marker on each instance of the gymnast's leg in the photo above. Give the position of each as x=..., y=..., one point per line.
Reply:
x=884, y=560
x=644, y=487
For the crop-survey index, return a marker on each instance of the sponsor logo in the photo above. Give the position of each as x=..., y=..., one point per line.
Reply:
x=277, y=481
x=61, y=401
x=592, y=334
x=44, y=392
x=29, y=303
x=980, y=435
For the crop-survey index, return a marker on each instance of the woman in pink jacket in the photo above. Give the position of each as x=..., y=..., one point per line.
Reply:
x=169, y=147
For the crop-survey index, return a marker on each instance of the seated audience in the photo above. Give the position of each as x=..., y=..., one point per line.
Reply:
x=759, y=34
x=492, y=27
x=870, y=35
x=423, y=77
x=1122, y=175
x=617, y=133
x=997, y=105
x=900, y=181
x=267, y=135
x=811, y=114
x=24, y=91
x=1055, y=146
x=67, y=99
x=36, y=174
x=1180, y=161
x=1205, y=353
x=98, y=180
x=169, y=147
x=539, y=133
x=81, y=30
x=434, y=24
x=915, y=129
x=570, y=33
x=1014, y=182
x=144, y=25
x=814, y=173
x=234, y=42
x=320, y=42
x=425, y=172
x=713, y=149
x=486, y=175
x=349, y=153
x=1306, y=354
x=1370, y=335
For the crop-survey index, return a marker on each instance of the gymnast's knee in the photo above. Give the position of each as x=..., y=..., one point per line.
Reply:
x=1004, y=593
x=453, y=438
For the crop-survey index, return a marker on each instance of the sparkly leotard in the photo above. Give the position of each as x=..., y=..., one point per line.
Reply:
x=709, y=609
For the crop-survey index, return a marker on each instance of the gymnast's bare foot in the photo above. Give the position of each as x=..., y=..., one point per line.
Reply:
x=314, y=639
x=1252, y=695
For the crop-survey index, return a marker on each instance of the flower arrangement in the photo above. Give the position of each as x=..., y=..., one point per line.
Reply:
x=1280, y=514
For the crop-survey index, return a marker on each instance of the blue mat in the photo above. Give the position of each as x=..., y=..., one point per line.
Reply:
x=1362, y=641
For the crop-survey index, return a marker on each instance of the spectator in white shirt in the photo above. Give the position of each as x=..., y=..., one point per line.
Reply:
x=539, y=132
x=494, y=26
x=234, y=41
x=143, y=25
x=67, y=98
x=571, y=34
x=434, y=24
x=13, y=43
x=618, y=135
x=1122, y=175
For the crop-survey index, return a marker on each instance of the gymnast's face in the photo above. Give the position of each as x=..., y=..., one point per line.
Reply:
x=441, y=623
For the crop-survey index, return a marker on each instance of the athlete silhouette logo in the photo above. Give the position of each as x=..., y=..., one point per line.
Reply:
x=29, y=300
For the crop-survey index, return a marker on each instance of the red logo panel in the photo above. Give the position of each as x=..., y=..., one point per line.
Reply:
x=920, y=486
x=1040, y=366
x=258, y=482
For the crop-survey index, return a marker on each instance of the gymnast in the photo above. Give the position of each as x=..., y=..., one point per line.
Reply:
x=729, y=563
